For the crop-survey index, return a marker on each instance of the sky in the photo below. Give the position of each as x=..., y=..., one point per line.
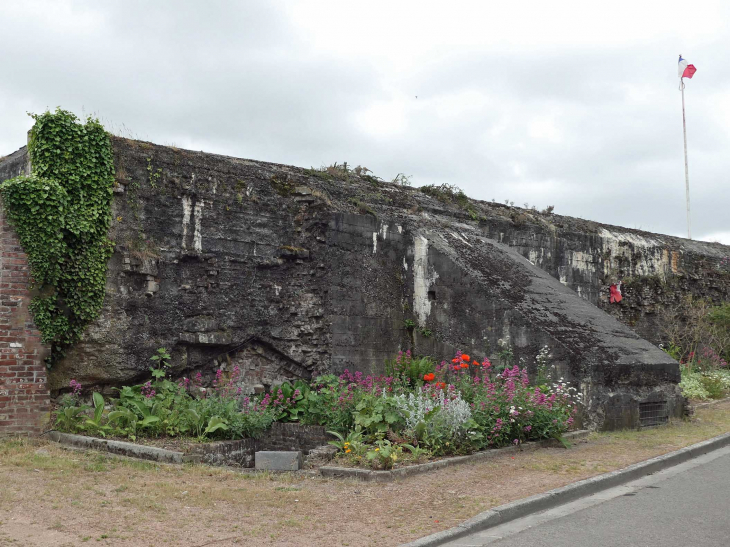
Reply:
x=571, y=104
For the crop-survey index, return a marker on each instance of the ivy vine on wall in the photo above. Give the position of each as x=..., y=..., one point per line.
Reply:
x=61, y=213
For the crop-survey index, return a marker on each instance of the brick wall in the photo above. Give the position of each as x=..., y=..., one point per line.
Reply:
x=293, y=436
x=24, y=397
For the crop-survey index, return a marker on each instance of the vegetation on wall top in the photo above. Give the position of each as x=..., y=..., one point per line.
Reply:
x=61, y=213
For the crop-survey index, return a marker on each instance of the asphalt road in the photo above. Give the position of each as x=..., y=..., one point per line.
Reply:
x=684, y=506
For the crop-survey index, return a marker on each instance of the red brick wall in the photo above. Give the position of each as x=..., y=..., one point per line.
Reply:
x=24, y=397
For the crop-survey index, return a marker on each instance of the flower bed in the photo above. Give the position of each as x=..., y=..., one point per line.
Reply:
x=417, y=411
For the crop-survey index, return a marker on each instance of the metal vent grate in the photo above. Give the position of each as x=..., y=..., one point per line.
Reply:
x=653, y=414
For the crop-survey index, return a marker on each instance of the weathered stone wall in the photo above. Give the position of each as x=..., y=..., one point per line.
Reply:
x=288, y=273
x=656, y=271
x=24, y=397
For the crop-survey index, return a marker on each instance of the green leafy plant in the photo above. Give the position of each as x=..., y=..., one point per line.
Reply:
x=377, y=414
x=94, y=423
x=345, y=444
x=216, y=423
x=70, y=418
x=161, y=361
x=384, y=455
x=125, y=419
x=61, y=213
x=416, y=452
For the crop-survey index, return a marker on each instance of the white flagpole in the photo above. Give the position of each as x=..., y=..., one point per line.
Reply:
x=686, y=168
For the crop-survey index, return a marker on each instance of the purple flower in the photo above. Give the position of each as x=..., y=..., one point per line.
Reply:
x=75, y=387
x=147, y=390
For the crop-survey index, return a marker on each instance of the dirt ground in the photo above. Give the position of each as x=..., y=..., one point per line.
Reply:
x=53, y=496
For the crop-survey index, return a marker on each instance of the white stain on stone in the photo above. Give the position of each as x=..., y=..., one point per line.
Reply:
x=645, y=256
x=405, y=264
x=187, y=209
x=423, y=277
x=375, y=242
x=563, y=274
x=400, y=229
x=277, y=289
x=384, y=231
x=583, y=262
x=460, y=238
x=198, y=235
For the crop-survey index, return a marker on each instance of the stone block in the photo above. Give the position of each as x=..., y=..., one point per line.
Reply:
x=279, y=460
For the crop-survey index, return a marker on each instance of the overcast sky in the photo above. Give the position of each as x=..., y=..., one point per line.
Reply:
x=571, y=104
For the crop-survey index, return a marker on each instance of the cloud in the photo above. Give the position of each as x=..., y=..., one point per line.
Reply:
x=568, y=104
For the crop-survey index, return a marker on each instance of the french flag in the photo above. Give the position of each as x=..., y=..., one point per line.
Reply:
x=685, y=70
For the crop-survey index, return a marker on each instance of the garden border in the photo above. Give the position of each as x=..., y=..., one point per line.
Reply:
x=408, y=471
x=163, y=455
x=565, y=494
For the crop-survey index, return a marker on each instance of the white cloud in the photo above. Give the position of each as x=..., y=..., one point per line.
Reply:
x=572, y=104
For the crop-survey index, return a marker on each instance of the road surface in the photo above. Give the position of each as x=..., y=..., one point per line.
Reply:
x=684, y=506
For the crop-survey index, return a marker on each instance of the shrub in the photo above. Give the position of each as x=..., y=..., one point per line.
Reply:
x=409, y=369
x=713, y=385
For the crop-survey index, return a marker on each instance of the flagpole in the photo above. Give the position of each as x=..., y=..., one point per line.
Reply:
x=686, y=168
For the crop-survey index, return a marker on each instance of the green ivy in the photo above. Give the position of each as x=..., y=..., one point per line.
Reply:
x=61, y=213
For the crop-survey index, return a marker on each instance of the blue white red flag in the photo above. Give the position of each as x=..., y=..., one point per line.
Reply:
x=686, y=70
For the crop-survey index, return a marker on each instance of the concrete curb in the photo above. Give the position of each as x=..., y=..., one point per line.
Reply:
x=711, y=403
x=571, y=492
x=120, y=448
x=403, y=472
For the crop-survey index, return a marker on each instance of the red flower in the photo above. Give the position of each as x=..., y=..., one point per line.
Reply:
x=454, y=360
x=429, y=377
x=464, y=365
x=441, y=385
x=475, y=363
x=465, y=357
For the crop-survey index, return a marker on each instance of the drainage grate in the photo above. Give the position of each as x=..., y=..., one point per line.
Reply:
x=653, y=414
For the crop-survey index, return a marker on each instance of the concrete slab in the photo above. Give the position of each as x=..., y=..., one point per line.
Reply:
x=278, y=460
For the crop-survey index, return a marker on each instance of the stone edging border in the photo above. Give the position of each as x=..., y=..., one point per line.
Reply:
x=566, y=494
x=120, y=448
x=711, y=403
x=408, y=471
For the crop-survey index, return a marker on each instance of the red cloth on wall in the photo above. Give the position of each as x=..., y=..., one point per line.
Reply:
x=615, y=291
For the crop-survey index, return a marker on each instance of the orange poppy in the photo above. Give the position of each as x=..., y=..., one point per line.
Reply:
x=428, y=377
x=454, y=360
x=464, y=365
x=465, y=357
x=475, y=363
